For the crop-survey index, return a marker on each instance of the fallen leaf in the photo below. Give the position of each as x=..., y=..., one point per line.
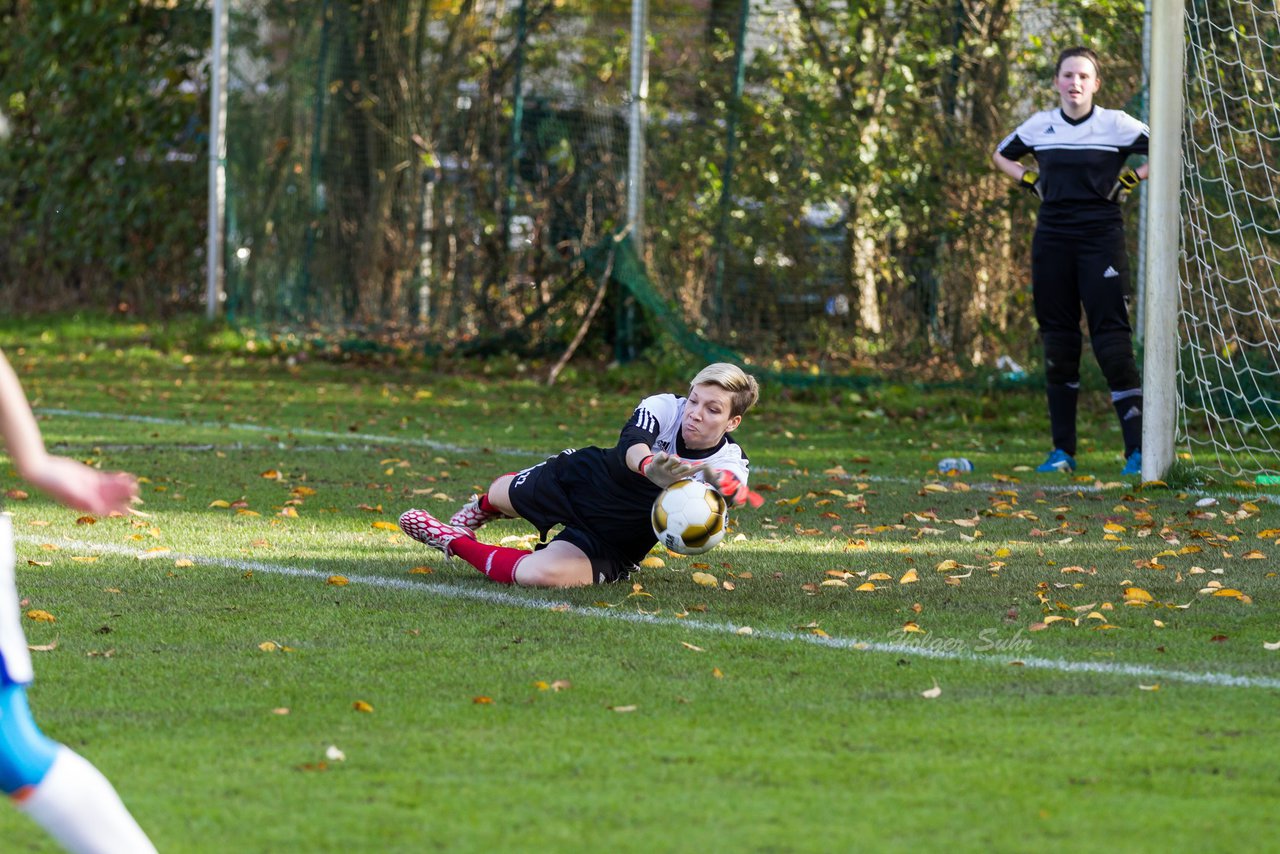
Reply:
x=744, y=630
x=909, y=577
x=41, y=616
x=622, y=708
x=1271, y=646
x=337, y=581
x=705, y=579
x=362, y=706
x=933, y=693
x=1155, y=687
x=268, y=646
x=183, y=562
x=692, y=647
x=421, y=570
x=280, y=710
x=43, y=647
x=382, y=525
x=333, y=754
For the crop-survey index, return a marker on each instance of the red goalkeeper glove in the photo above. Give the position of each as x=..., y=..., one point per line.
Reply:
x=727, y=484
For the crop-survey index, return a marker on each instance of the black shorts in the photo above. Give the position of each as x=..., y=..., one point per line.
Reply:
x=539, y=495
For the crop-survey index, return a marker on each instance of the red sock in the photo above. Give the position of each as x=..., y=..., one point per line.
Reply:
x=497, y=562
x=486, y=506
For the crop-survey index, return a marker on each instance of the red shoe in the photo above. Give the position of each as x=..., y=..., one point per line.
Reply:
x=473, y=516
x=430, y=531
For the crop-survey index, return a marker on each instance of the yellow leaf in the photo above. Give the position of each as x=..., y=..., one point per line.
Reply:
x=1155, y=687
x=862, y=588
x=1227, y=591
x=302, y=491
x=1159, y=624
x=386, y=526
x=219, y=503
x=421, y=570
x=1137, y=594
x=652, y=562
x=268, y=646
x=41, y=616
x=183, y=562
x=911, y=626
x=1001, y=552
x=745, y=630
x=84, y=558
x=622, y=709
x=1114, y=528
x=1253, y=555
x=705, y=579
x=39, y=562
x=289, y=513
x=362, y=706
x=909, y=577
x=337, y=581
x=272, y=474
x=692, y=647
x=240, y=511
x=715, y=671
x=948, y=565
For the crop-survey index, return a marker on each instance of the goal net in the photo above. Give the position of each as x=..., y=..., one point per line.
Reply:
x=1229, y=353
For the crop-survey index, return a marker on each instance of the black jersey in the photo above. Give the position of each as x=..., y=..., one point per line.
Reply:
x=1078, y=161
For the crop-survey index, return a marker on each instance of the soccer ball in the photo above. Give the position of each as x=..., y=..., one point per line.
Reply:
x=689, y=517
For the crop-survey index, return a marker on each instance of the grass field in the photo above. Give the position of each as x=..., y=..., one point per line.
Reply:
x=889, y=660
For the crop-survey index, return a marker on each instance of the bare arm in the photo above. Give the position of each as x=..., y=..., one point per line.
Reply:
x=69, y=482
x=1012, y=168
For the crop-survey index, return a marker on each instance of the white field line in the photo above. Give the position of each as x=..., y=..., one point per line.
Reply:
x=373, y=438
x=500, y=596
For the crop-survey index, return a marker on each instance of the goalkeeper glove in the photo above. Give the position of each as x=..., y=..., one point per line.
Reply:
x=663, y=469
x=727, y=484
x=1126, y=182
x=1030, y=181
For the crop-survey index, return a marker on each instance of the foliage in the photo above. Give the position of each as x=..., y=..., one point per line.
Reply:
x=103, y=182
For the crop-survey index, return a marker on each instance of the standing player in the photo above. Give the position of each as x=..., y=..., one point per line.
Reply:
x=602, y=496
x=1078, y=251
x=53, y=784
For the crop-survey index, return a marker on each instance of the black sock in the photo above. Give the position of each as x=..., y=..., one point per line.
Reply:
x=1129, y=410
x=1062, y=416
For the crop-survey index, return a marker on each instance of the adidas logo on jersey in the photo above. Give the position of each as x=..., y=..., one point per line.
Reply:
x=1110, y=273
x=1049, y=129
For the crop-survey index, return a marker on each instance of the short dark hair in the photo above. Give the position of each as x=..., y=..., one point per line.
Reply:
x=1086, y=52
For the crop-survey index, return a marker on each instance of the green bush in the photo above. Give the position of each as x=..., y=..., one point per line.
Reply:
x=102, y=183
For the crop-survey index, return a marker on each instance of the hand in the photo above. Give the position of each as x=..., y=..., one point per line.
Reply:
x=83, y=488
x=1030, y=181
x=727, y=484
x=663, y=469
x=1126, y=182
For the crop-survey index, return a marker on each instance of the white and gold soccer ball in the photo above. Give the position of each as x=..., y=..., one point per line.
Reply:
x=689, y=517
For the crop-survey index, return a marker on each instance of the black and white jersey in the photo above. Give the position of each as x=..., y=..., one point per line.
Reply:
x=1078, y=161
x=656, y=423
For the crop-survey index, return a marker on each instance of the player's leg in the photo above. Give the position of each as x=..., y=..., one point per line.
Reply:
x=58, y=788
x=61, y=790
x=482, y=509
x=559, y=564
x=1057, y=306
x=1104, y=290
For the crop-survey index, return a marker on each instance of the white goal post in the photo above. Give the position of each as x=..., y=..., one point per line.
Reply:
x=1163, y=239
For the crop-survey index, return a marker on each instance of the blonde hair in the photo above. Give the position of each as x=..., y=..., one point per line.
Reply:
x=741, y=385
